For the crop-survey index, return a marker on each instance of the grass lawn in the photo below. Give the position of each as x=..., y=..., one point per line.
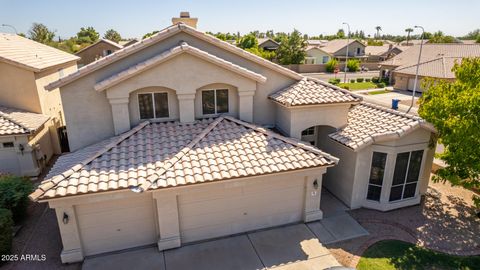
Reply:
x=378, y=92
x=358, y=85
x=394, y=254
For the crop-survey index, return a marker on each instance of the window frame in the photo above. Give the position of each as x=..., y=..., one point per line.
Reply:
x=405, y=183
x=385, y=166
x=153, y=105
x=215, y=101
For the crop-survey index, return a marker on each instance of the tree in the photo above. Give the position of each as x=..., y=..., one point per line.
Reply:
x=248, y=41
x=439, y=37
x=478, y=40
x=147, y=35
x=40, y=33
x=378, y=28
x=292, y=49
x=331, y=65
x=408, y=30
x=454, y=108
x=475, y=34
x=87, y=35
x=353, y=65
x=112, y=35
x=341, y=33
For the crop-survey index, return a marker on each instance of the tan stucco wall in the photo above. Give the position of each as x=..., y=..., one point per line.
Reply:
x=82, y=102
x=94, y=52
x=318, y=55
x=18, y=88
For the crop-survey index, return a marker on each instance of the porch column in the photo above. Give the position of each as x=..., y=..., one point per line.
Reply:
x=121, y=116
x=187, y=107
x=168, y=224
x=245, y=105
x=313, y=192
x=67, y=223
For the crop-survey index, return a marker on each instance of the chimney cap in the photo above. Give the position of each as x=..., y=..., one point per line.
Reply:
x=184, y=14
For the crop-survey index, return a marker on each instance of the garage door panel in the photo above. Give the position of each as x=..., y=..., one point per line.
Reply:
x=117, y=224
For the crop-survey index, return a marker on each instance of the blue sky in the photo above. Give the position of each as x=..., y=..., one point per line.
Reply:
x=137, y=17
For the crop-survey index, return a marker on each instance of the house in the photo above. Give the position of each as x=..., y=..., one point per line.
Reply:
x=315, y=55
x=436, y=61
x=382, y=53
x=338, y=48
x=316, y=42
x=222, y=142
x=268, y=44
x=103, y=47
x=25, y=144
x=25, y=68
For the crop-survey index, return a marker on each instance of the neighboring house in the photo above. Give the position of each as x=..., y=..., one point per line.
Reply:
x=125, y=43
x=315, y=55
x=101, y=48
x=443, y=54
x=25, y=144
x=316, y=42
x=382, y=53
x=268, y=44
x=213, y=147
x=25, y=68
x=338, y=48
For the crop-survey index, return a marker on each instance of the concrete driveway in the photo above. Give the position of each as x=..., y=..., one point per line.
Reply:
x=283, y=248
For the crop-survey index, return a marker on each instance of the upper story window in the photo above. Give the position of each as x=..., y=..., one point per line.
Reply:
x=215, y=101
x=107, y=52
x=377, y=170
x=405, y=176
x=7, y=144
x=153, y=105
x=308, y=131
x=359, y=51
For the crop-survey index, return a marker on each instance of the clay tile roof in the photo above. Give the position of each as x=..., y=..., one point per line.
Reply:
x=161, y=155
x=309, y=91
x=437, y=68
x=15, y=121
x=29, y=54
x=182, y=48
x=369, y=123
x=335, y=45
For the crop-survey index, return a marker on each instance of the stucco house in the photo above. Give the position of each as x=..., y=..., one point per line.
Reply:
x=25, y=68
x=315, y=55
x=97, y=50
x=382, y=53
x=437, y=61
x=268, y=44
x=338, y=48
x=182, y=137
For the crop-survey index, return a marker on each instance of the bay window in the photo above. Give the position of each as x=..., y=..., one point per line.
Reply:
x=377, y=171
x=406, y=174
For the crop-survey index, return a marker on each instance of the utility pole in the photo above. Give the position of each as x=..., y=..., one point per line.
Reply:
x=418, y=65
x=346, y=55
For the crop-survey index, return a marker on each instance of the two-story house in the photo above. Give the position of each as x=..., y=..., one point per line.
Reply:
x=183, y=137
x=338, y=48
x=32, y=121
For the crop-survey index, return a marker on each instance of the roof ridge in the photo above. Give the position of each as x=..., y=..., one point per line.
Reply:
x=282, y=138
x=179, y=155
x=54, y=181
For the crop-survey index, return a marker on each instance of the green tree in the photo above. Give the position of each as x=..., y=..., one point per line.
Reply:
x=408, y=30
x=331, y=65
x=248, y=41
x=87, y=35
x=341, y=33
x=40, y=33
x=147, y=35
x=439, y=37
x=475, y=35
x=353, y=65
x=112, y=35
x=454, y=109
x=478, y=40
x=292, y=49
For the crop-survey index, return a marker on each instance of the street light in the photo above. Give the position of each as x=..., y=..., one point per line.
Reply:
x=418, y=65
x=346, y=55
x=11, y=26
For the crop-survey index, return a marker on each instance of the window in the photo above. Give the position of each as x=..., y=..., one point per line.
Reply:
x=405, y=176
x=107, y=52
x=376, y=176
x=215, y=101
x=153, y=105
x=325, y=59
x=7, y=144
x=308, y=131
x=358, y=51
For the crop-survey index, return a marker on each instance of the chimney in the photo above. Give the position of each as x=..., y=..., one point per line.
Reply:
x=185, y=18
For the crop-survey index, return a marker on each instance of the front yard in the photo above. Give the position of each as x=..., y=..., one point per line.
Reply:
x=394, y=254
x=358, y=85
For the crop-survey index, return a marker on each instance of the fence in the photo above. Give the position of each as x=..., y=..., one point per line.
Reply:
x=315, y=68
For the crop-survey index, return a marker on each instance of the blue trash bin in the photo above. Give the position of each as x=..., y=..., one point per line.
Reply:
x=395, y=103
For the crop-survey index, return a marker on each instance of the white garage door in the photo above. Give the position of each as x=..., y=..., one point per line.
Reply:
x=9, y=162
x=411, y=83
x=116, y=224
x=234, y=209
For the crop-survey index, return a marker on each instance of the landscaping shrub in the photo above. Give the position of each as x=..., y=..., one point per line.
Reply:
x=359, y=79
x=331, y=65
x=6, y=224
x=346, y=87
x=337, y=80
x=352, y=80
x=14, y=191
x=368, y=79
x=332, y=81
x=353, y=65
x=375, y=79
x=381, y=85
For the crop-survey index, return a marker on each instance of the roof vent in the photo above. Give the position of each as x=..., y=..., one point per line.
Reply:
x=186, y=19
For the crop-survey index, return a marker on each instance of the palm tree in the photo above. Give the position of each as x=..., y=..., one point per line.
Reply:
x=378, y=28
x=408, y=30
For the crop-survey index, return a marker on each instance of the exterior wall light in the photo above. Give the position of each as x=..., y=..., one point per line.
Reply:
x=315, y=184
x=65, y=218
x=21, y=148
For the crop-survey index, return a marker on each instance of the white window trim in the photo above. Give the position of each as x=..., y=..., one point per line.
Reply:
x=214, y=100
x=153, y=101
